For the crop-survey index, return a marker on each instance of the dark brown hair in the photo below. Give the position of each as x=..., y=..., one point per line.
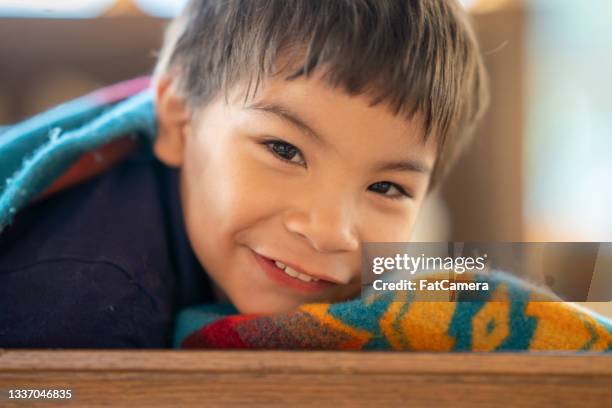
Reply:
x=416, y=56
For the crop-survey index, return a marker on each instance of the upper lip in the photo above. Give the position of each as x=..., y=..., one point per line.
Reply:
x=304, y=271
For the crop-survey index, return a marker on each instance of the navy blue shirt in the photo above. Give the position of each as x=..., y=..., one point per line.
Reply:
x=105, y=264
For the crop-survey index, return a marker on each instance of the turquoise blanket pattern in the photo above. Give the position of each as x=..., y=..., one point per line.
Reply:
x=37, y=151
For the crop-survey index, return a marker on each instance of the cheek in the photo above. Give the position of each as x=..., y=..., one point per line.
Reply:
x=388, y=226
x=224, y=191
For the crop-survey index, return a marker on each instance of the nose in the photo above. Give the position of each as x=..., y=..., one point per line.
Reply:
x=326, y=225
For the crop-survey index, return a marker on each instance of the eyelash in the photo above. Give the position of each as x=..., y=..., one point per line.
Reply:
x=402, y=191
x=271, y=144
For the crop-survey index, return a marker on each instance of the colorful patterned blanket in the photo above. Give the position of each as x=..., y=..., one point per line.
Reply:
x=72, y=142
x=516, y=317
x=83, y=137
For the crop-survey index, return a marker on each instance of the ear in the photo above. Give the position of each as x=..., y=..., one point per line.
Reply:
x=173, y=120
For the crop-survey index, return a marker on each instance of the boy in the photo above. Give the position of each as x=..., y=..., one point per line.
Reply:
x=290, y=132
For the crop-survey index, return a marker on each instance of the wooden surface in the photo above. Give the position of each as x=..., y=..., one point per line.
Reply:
x=268, y=378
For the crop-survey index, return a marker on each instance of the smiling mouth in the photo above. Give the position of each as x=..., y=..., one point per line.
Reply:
x=290, y=277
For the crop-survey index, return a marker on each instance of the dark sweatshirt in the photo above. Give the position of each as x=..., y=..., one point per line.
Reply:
x=105, y=264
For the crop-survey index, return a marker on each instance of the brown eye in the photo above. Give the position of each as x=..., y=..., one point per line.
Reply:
x=389, y=189
x=286, y=151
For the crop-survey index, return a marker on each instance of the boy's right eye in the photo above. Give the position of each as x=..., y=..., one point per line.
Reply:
x=285, y=151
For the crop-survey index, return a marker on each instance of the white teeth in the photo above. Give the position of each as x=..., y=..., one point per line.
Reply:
x=304, y=278
x=295, y=274
x=291, y=272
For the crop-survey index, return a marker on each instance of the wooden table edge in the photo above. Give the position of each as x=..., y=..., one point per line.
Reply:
x=535, y=363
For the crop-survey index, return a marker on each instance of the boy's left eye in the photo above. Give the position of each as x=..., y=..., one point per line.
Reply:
x=286, y=151
x=389, y=189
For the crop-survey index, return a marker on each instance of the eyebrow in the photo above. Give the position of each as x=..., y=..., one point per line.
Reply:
x=293, y=118
x=289, y=116
x=405, y=165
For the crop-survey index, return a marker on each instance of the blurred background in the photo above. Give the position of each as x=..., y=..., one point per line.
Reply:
x=540, y=168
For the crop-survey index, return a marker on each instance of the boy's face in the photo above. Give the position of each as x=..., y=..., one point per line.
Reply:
x=300, y=174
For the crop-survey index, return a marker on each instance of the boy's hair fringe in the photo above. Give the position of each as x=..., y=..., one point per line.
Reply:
x=417, y=56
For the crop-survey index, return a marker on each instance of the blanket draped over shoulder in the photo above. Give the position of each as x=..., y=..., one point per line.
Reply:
x=72, y=142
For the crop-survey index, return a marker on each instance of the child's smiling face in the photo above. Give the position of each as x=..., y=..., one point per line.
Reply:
x=301, y=174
